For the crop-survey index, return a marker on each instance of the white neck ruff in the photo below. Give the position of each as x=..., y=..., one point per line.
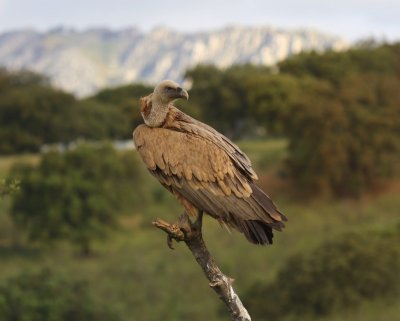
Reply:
x=157, y=115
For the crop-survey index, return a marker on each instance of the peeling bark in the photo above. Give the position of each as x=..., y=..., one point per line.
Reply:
x=190, y=233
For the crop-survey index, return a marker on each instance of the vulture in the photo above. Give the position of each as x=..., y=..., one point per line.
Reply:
x=202, y=168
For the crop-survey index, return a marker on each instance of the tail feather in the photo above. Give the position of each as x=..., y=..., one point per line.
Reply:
x=259, y=230
x=255, y=231
x=268, y=205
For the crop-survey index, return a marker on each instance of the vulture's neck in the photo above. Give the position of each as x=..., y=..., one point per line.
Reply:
x=155, y=113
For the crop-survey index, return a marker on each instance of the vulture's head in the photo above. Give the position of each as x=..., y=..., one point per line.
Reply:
x=168, y=90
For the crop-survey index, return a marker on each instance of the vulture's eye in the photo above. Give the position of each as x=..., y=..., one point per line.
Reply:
x=169, y=88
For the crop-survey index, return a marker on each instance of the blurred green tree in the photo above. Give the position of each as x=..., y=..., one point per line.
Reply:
x=76, y=195
x=8, y=186
x=336, y=276
x=337, y=109
x=44, y=296
x=220, y=98
x=124, y=101
x=344, y=140
x=368, y=57
x=32, y=114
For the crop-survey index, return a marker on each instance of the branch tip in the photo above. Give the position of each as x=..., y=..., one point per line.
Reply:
x=190, y=232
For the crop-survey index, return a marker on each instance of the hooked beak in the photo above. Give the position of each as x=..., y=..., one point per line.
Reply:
x=181, y=93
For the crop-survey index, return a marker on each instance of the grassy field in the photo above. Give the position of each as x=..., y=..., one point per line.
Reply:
x=134, y=272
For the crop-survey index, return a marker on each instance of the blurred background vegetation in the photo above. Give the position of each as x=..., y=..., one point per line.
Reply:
x=323, y=131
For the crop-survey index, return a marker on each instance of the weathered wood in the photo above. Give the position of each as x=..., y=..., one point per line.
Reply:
x=190, y=232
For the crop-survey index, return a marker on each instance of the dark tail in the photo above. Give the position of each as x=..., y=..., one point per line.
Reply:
x=267, y=218
x=258, y=232
x=268, y=206
x=255, y=231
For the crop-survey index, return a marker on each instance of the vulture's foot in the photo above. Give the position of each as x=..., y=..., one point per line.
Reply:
x=181, y=230
x=173, y=231
x=189, y=227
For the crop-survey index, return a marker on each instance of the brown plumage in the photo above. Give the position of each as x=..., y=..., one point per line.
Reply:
x=202, y=168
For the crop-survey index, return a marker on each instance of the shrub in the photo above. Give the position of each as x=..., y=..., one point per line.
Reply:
x=44, y=296
x=345, y=140
x=337, y=275
x=76, y=195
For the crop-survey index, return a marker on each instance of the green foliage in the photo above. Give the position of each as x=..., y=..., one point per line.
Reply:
x=95, y=121
x=343, y=130
x=76, y=195
x=32, y=114
x=43, y=296
x=337, y=109
x=344, y=140
x=124, y=101
x=338, y=275
x=334, y=66
x=269, y=99
x=8, y=186
x=220, y=98
x=20, y=79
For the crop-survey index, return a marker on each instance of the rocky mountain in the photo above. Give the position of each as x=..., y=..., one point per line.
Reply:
x=85, y=61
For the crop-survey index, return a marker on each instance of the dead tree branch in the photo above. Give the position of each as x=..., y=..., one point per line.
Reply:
x=190, y=232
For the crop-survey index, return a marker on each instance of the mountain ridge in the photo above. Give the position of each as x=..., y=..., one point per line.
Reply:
x=84, y=61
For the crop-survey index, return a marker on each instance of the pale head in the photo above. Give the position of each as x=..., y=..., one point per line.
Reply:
x=154, y=112
x=167, y=91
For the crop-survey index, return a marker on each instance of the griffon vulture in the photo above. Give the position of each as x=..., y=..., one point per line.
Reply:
x=202, y=168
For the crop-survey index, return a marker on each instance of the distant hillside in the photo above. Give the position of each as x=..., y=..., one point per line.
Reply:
x=85, y=61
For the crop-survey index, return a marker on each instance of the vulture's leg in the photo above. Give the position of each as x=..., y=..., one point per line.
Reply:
x=182, y=229
x=188, y=226
x=198, y=223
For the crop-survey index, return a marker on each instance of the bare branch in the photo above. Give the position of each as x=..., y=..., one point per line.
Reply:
x=190, y=233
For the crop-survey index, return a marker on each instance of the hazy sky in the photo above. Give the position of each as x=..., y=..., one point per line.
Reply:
x=351, y=19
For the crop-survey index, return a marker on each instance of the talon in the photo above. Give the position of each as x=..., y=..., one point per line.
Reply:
x=170, y=241
x=180, y=230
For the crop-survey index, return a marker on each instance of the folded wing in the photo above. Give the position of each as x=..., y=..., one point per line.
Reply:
x=204, y=168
